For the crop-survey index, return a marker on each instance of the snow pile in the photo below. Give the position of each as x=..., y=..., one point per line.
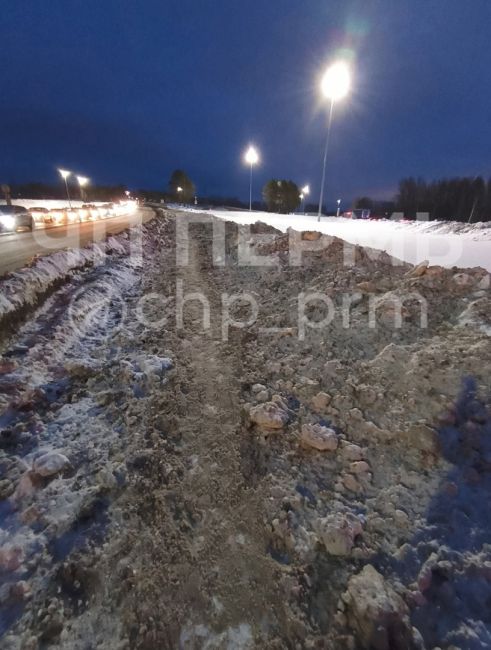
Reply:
x=24, y=288
x=480, y=230
x=411, y=242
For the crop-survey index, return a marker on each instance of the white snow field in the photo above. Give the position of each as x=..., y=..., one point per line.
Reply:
x=412, y=242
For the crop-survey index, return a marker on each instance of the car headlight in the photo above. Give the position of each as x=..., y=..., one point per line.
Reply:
x=7, y=221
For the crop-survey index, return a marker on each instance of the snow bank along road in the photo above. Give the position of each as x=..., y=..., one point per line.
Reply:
x=411, y=242
x=17, y=249
x=172, y=480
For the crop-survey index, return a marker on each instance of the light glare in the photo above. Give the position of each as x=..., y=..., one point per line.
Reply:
x=336, y=81
x=251, y=156
x=82, y=180
x=7, y=221
x=64, y=173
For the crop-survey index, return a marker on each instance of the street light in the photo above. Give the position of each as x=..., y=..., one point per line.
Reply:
x=65, y=174
x=252, y=158
x=179, y=190
x=339, y=205
x=335, y=85
x=82, y=181
x=305, y=192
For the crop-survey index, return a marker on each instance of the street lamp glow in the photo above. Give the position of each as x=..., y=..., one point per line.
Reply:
x=82, y=180
x=179, y=189
x=65, y=174
x=251, y=156
x=336, y=81
x=335, y=85
x=306, y=190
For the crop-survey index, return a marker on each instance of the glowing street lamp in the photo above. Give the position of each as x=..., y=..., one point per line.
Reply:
x=305, y=191
x=64, y=173
x=252, y=158
x=339, y=207
x=82, y=181
x=335, y=85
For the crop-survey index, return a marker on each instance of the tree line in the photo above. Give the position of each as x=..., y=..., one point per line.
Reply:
x=449, y=199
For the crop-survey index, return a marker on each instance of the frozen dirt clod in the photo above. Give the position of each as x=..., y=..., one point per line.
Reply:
x=316, y=436
x=269, y=416
x=321, y=401
x=377, y=613
x=50, y=464
x=338, y=532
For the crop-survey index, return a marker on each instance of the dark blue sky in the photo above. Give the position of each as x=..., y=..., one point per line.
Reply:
x=127, y=90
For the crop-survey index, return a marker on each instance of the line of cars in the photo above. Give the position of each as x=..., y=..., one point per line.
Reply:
x=16, y=218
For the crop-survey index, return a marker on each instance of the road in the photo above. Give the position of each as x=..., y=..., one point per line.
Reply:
x=17, y=249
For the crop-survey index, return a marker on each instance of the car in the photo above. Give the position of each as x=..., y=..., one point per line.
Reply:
x=15, y=218
x=42, y=216
x=358, y=213
x=58, y=216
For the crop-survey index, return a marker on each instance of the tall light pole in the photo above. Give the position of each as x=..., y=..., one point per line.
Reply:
x=82, y=181
x=335, y=85
x=65, y=174
x=339, y=207
x=252, y=158
x=179, y=192
x=305, y=192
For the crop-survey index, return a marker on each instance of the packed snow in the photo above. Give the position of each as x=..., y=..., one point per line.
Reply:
x=24, y=287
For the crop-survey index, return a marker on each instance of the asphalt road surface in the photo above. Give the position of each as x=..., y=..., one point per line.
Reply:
x=18, y=249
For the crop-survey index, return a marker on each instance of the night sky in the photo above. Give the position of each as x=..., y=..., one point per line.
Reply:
x=124, y=91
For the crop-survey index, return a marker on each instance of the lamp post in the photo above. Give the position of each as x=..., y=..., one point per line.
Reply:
x=252, y=158
x=305, y=192
x=82, y=181
x=65, y=174
x=335, y=85
x=179, y=191
x=339, y=206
